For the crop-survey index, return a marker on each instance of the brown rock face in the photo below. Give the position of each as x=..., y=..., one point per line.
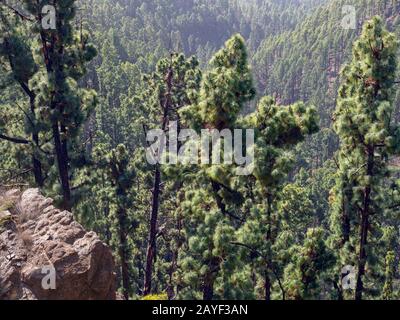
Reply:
x=46, y=254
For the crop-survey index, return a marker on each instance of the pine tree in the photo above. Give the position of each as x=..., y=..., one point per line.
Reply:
x=390, y=267
x=121, y=175
x=277, y=129
x=16, y=50
x=168, y=92
x=367, y=139
x=207, y=259
x=107, y=204
x=63, y=106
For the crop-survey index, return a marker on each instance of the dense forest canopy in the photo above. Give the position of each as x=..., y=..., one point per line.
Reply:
x=321, y=200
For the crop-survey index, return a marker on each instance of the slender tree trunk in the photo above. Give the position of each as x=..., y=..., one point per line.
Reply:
x=37, y=165
x=37, y=169
x=209, y=278
x=338, y=290
x=62, y=162
x=48, y=48
x=362, y=256
x=345, y=221
x=364, y=228
x=175, y=251
x=170, y=285
x=268, y=238
x=151, y=248
x=123, y=255
x=267, y=286
x=123, y=228
x=208, y=289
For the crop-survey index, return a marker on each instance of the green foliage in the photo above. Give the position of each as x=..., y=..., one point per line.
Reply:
x=282, y=232
x=367, y=139
x=158, y=297
x=389, y=275
x=208, y=263
x=306, y=271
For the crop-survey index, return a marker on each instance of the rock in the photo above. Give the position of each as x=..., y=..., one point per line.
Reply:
x=36, y=239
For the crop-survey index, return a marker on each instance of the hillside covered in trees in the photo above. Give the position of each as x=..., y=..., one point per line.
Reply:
x=313, y=215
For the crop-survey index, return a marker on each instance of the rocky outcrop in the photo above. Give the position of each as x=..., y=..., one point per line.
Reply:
x=46, y=254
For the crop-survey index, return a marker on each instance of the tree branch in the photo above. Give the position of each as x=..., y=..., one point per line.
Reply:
x=247, y=247
x=14, y=140
x=18, y=13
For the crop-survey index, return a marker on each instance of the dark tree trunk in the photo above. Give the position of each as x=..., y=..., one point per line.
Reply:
x=175, y=251
x=345, y=222
x=267, y=286
x=268, y=238
x=37, y=170
x=364, y=228
x=208, y=290
x=123, y=228
x=48, y=48
x=37, y=165
x=362, y=257
x=209, y=278
x=151, y=248
x=62, y=162
x=123, y=254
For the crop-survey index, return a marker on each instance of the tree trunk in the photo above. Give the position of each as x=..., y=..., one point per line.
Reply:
x=364, y=228
x=267, y=286
x=210, y=276
x=268, y=238
x=345, y=221
x=37, y=165
x=175, y=251
x=48, y=48
x=151, y=248
x=37, y=170
x=123, y=255
x=208, y=288
x=62, y=162
x=362, y=257
x=123, y=228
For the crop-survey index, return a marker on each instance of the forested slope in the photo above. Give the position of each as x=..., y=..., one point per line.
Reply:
x=78, y=102
x=193, y=26
x=304, y=64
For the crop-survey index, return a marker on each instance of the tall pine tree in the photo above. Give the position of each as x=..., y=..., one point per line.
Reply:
x=368, y=138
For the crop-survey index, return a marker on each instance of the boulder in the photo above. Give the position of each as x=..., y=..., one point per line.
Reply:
x=45, y=254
